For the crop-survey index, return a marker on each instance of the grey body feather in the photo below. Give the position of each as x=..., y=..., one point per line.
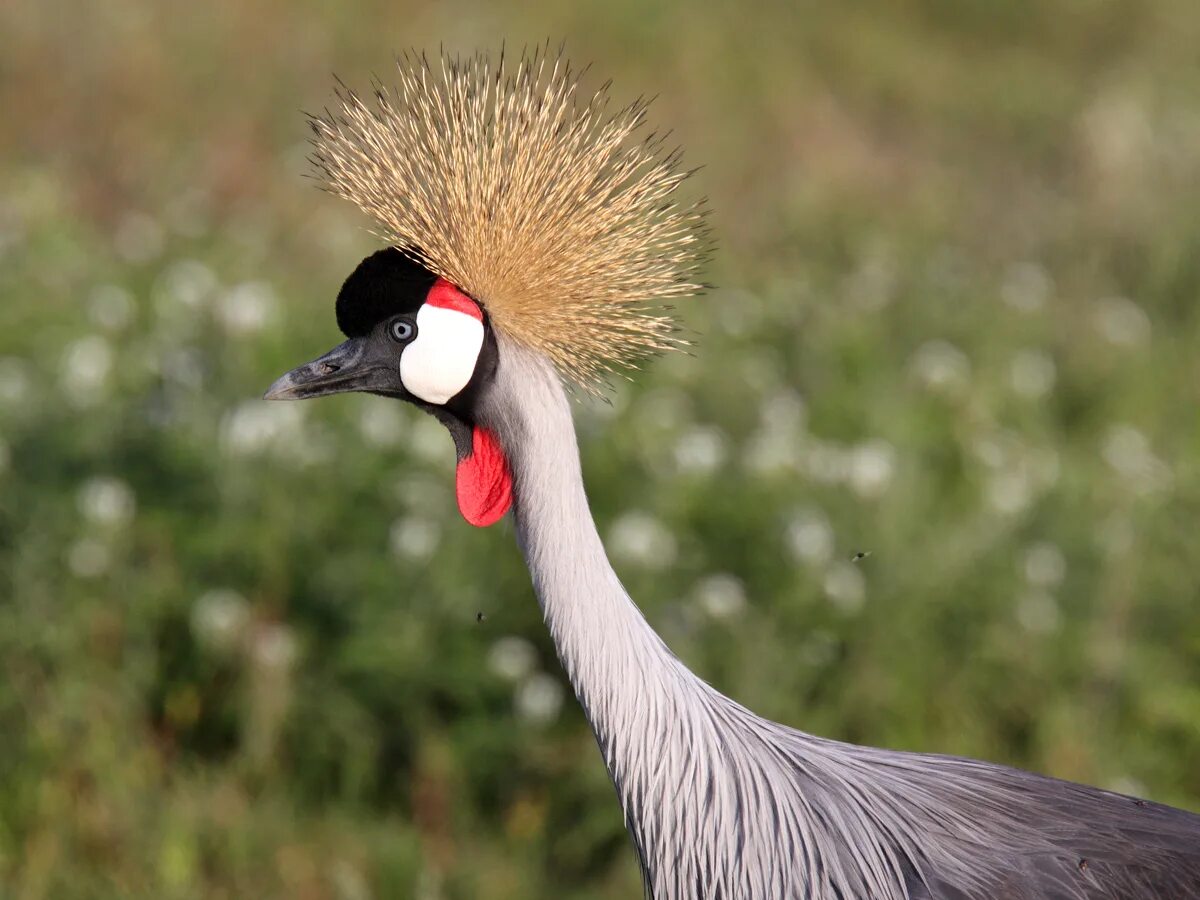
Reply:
x=723, y=804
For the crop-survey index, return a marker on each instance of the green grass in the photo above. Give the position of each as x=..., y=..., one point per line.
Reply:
x=956, y=327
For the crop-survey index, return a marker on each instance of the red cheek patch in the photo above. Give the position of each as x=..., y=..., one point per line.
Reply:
x=483, y=484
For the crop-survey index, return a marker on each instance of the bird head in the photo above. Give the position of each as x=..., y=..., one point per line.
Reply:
x=414, y=336
x=517, y=210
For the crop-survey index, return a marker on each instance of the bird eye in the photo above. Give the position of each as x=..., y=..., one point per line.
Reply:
x=403, y=330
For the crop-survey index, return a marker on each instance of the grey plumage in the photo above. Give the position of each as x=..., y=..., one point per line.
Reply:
x=724, y=804
x=553, y=234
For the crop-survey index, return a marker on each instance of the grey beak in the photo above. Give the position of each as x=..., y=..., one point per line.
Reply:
x=340, y=370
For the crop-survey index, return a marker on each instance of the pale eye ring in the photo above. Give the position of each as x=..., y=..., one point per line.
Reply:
x=402, y=330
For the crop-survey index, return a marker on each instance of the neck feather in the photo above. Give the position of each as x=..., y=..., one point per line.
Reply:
x=612, y=656
x=713, y=795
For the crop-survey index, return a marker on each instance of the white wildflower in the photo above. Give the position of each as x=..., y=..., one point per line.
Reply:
x=642, y=539
x=1038, y=612
x=810, y=537
x=869, y=288
x=428, y=440
x=186, y=284
x=1122, y=322
x=1032, y=374
x=89, y=558
x=415, y=538
x=1044, y=565
x=254, y=427
x=274, y=647
x=1026, y=287
x=941, y=367
x=86, y=366
x=872, y=465
x=247, y=308
x=219, y=619
x=845, y=587
x=784, y=410
x=721, y=596
x=381, y=424
x=700, y=450
x=15, y=382
x=1118, y=136
x=422, y=493
x=106, y=501
x=512, y=658
x=771, y=451
x=1128, y=452
x=1011, y=490
x=539, y=699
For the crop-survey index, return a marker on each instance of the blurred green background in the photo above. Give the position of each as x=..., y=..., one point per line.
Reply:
x=956, y=329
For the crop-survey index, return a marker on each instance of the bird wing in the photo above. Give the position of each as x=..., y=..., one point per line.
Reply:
x=1056, y=840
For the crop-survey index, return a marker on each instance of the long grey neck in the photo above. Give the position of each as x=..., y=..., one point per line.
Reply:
x=712, y=794
x=609, y=651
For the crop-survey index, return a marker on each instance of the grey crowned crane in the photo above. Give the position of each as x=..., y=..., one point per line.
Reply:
x=531, y=235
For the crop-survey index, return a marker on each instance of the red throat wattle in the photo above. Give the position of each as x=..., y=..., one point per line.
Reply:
x=483, y=485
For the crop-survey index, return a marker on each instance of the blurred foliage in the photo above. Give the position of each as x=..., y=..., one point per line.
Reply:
x=929, y=481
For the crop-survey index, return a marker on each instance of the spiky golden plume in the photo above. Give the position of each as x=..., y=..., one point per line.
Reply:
x=533, y=199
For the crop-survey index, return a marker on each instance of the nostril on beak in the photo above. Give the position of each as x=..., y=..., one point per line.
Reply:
x=328, y=368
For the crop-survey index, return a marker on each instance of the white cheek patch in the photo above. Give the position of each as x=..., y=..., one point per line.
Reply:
x=441, y=359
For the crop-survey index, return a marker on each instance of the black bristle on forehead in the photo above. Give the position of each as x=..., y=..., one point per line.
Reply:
x=385, y=284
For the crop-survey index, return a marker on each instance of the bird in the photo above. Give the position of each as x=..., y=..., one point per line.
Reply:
x=535, y=244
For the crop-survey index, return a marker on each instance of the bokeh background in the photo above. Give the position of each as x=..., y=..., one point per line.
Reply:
x=955, y=331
